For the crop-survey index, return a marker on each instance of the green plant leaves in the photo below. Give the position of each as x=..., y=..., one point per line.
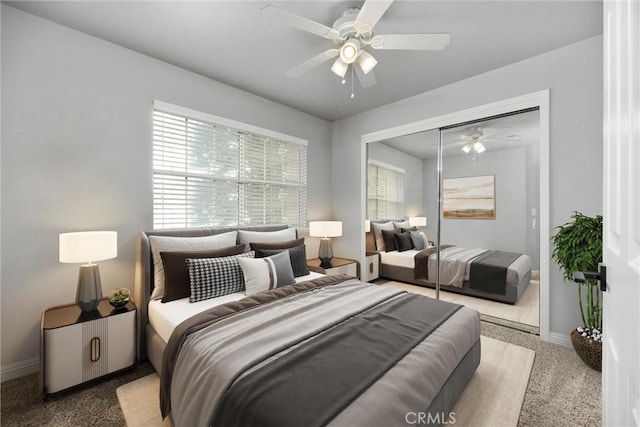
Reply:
x=577, y=246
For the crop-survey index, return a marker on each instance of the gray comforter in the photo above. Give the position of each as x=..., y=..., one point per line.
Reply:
x=206, y=360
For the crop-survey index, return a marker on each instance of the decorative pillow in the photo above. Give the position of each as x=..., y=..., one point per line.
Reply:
x=417, y=240
x=176, y=273
x=214, y=277
x=172, y=243
x=418, y=237
x=402, y=224
x=414, y=228
x=377, y=234
x=389, y=240
x=297, y=255
x=277, y=245
x=261, y=274
x=245, y=236
x=403, y=241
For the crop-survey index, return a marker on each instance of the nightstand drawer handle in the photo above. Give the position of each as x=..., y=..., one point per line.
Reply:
x=95, y=349
x=371, y=267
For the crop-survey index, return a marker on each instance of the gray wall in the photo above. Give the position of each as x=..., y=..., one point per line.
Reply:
x=515, y=195
x=413, y=179
x=76, y=156
x=574, y=76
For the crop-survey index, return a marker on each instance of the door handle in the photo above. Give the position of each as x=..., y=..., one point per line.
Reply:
x=600, y=275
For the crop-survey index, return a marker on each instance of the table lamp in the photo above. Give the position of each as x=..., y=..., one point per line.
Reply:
x=325, y=230
x=418, y=221
x=86, y=248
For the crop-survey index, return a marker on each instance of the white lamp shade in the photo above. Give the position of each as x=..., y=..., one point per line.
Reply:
x=479, y=147
x=418, y=221
x=325, y=228
x=367, y=225
x=88, y=246
x=339, y=67
x=367, y=62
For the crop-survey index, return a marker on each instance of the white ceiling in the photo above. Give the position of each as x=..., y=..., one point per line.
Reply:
x=232, y=42
x=504, y=133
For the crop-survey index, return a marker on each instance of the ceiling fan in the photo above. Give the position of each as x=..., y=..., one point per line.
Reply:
x=353, y=34
x=473, y=138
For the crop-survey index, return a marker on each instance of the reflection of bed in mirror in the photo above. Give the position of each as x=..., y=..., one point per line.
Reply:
x=489, y=274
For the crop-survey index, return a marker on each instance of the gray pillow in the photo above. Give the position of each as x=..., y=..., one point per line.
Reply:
x=261, y=274
x=402, y=224
x=245, y=236
x=297, y=255
x=418, y=237
x=403, y=241
x=377, y=233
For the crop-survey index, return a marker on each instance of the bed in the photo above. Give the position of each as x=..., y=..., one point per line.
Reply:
x=458, y=272
x=310, y=353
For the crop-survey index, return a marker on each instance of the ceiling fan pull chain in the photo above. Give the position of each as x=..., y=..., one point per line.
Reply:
x=352, y=94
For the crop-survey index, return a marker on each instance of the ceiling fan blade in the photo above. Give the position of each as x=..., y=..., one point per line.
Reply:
x=302, y=23
x=370, y=14
x=410, y=41
x=313, y=62
x=501, y=140
x=365, y=80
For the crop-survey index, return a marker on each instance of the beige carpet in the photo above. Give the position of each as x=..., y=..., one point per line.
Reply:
x=493, y=397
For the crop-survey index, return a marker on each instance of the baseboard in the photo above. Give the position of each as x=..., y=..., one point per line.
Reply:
x=560, y=339
x=19, y=369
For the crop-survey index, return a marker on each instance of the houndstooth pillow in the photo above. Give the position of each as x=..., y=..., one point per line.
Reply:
x=214, y=277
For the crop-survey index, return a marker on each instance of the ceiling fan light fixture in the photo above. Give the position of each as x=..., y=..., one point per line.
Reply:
x=350, y=50
x=367, y=62
x=478, y=147
x=339, y=68
x=467, y=148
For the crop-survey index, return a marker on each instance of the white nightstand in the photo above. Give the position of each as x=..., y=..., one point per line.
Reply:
x=77, y=347
x=347, y=266
x=372, y=267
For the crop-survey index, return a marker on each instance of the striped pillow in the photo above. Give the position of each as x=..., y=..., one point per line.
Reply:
x=261, y=274
x=297, y=255
x=214, y=277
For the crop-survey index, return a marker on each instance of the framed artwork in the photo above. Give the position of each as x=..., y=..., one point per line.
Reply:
x=472, y=197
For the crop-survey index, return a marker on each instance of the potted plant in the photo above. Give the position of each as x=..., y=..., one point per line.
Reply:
x=577, y=246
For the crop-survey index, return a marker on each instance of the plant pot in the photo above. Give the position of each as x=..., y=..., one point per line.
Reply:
x=590, y=351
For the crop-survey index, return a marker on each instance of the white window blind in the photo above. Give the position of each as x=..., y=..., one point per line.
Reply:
x=385, y=191
x=206, y=174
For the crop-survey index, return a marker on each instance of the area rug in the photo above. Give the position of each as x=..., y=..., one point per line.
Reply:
x=493, y=397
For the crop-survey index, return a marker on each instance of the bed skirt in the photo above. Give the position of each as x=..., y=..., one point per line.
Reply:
x=404, y=274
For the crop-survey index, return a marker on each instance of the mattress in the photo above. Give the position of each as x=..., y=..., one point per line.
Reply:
x=164, y=317
x=515, y=272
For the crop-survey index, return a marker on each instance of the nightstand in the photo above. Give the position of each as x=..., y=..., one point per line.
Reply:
x=77, y=347
x=338, y=266
x=372, y=267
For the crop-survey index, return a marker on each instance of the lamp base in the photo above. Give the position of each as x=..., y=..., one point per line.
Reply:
x=325, y=252
x=89, y=291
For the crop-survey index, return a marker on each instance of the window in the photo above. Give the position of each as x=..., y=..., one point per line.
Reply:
x=211, y=171
x=385, y=191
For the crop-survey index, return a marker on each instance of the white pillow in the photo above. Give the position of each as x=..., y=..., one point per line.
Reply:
x=402, y=224
x=172, y=243
x=377, y=233
x=261, y=274
x=287, y=234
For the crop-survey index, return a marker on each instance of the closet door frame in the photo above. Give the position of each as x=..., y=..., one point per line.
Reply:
x=538, y=99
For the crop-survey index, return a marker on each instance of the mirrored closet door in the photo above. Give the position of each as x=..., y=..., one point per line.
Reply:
x=472, y=190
